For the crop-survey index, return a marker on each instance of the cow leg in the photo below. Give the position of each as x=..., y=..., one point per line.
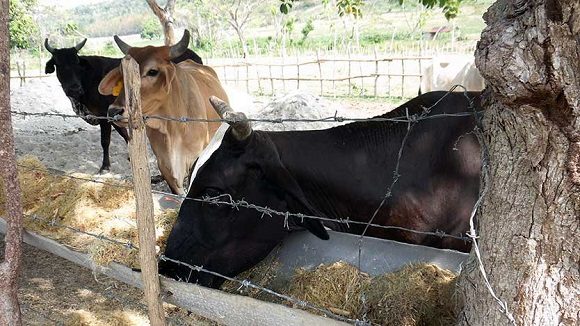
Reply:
x=122, y=131
x=172, y=182
x=105, y=142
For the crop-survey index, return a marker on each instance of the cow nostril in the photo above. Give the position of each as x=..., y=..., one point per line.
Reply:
x=115, y=111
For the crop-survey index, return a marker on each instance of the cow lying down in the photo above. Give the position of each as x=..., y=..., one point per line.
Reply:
x=335, y=173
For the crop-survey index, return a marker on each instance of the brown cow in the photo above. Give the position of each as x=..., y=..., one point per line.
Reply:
x=170, y=90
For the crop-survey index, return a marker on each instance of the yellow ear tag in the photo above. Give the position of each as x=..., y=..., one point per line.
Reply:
x=117, y=89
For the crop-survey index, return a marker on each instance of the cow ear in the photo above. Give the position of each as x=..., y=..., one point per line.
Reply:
x=296, y=199
x=109, y=81
x=49, y=68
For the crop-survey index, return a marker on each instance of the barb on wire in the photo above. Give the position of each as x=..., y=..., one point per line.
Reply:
x=248, y=284
x=243, y=283
x=411, y=122
x=266, y=211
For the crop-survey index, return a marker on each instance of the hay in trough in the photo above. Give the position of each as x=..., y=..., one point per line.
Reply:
x=336, y=287
x=418, y=294
x=107, y=210
x=262, y=275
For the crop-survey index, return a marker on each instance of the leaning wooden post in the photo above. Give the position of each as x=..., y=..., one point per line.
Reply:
x=10, y=266
x=142, y=186
x=319, y=71
x=376, y=71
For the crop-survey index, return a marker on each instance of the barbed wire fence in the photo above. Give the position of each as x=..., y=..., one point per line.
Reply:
x=229, y=200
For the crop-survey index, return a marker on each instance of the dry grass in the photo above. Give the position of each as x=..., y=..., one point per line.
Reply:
x=419, y=294
x=87, y=206
x=336, y=286
x=262, y=275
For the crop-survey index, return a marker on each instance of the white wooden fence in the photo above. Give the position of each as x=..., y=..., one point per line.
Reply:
x=351, y=75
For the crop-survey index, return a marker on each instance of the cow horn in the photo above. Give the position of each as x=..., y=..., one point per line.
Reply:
x=240, y=125
x=178, y=49
x=80, y=45
x=48, y=47
x=124, y=47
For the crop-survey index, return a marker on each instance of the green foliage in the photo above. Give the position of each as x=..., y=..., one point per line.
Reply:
x=309, y=27
x=151, y=29
x=21, y=26
x=450, y=7
x=111, y=17
x=69, y=28
x=350, y=7
x=344, y=7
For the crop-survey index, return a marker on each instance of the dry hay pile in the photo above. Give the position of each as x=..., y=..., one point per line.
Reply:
x=419, y=294
x=49, y=199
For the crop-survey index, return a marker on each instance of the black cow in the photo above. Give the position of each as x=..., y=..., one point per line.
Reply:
x=80, y=76
x=335, y=173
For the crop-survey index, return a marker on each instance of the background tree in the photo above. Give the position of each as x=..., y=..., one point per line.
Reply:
x=150, y=30
x=22, y=27
x=10, y=265
x=201, y=21
x=529, y=222
x=237, y=13
x=165, y=16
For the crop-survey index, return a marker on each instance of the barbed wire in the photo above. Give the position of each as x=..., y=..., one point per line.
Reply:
x=484, y=184
x=330, y=119
x=52, y=222
x=227, y=199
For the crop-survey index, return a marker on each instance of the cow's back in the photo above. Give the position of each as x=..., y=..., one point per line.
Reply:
x=347, y=170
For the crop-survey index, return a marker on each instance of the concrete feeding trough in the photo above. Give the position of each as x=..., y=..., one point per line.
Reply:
x=378, y=256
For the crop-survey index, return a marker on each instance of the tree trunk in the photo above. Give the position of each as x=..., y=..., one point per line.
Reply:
x=242, y=39
x=165, y=16
x=10, y=266
x=528, y=224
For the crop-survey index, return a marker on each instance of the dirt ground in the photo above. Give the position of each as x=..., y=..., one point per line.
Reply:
x=54, y=291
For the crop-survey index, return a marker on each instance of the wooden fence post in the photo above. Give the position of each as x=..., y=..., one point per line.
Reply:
x=282, y=69
x=298, y=72
x=376, y=71
x=402, y=77
x=10, y=267
x=260, y=90
x=334, y=73
x=271, y=80
x=142, y=186
x=319, y=71
x=247, y=75
x=349, y=85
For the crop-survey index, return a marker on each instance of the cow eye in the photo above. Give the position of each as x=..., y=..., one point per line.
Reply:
x=152, y=72
x=212, y=192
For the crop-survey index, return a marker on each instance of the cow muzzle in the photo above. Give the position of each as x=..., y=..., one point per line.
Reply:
x=117, y=114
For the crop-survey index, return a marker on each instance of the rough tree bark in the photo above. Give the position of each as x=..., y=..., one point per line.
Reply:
x=165, y=16
x=529, y=54
x=10, y=267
